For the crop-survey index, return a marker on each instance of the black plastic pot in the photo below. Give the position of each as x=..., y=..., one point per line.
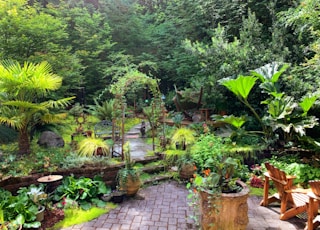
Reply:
x=117, y=197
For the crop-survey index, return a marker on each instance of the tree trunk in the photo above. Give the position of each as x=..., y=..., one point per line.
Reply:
x=24, y=142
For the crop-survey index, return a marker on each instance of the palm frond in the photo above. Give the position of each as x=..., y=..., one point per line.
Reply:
x=24, y=105
x=14, y=122
x=58, y=103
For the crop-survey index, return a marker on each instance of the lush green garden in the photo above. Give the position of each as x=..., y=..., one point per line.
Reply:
x=65, y=66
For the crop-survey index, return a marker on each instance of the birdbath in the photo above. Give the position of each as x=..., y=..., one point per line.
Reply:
x=49, y=180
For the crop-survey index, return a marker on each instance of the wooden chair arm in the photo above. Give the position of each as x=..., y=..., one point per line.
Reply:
x=299, y=190
x=289, y=177
x=312, y=195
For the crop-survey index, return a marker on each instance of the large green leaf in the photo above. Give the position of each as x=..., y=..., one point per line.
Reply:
x=241, y=86
x=307, y=102
x=269, y=72
x=234, y=121
x=280, y=108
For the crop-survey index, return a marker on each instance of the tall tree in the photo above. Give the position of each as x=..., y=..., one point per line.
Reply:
x=36, y=34
x=91, y=41
x=24, y=98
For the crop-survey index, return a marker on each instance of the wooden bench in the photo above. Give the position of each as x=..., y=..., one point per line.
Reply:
x=293, y=201
x=106, y=130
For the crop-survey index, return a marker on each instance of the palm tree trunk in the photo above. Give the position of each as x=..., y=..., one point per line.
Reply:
x=24, y=142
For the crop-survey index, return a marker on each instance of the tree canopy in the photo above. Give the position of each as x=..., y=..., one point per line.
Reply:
x=182, y=42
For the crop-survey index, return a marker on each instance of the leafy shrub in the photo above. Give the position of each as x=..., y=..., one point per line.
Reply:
x=293, y=166
x=82, y=191
x=73, y=160
x=206, y=147
x=16, y=211
x=102, y=111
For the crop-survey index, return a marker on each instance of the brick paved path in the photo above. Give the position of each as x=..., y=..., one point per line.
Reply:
x=165, y=207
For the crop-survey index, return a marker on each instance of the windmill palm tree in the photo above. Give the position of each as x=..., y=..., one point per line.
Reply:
x=23, y=103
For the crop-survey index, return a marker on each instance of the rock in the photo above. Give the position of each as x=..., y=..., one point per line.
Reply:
x=50, y=139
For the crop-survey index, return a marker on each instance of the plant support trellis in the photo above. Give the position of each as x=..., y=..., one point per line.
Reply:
x=121, y=87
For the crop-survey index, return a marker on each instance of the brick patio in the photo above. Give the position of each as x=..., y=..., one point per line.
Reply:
x=165, y=207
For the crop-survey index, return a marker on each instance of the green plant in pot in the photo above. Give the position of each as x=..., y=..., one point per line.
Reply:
x=222, y=196
x=93, y=146
x=129, y=176
x=186, y=166
x=21, y=210
x=182, y=138
x=37, y=195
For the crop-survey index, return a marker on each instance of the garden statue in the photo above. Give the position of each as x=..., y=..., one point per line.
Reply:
x=143, y=129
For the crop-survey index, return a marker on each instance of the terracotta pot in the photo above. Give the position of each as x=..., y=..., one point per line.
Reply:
x=89, y=133
x=186, y=172
x=230, y=211
x=130, y=186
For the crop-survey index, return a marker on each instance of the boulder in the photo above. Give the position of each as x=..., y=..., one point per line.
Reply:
x=50, y=139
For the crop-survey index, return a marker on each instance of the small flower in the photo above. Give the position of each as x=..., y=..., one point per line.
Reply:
x=195, y=190
x=194, y=175
x=194, y=167
x=206, y=172
x=63, y=201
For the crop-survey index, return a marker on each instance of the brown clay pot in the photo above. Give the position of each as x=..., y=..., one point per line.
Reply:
x=131, y=187
x=186, y=171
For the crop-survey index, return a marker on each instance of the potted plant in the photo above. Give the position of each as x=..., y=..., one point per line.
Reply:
x=21, y=210
x=182, y=137
x=222, y=196
x=129, y=177
x=93, y=146
x=37, y=196
x=186, y=166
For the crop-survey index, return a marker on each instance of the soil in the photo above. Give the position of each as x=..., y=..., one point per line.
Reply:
x=51, y=217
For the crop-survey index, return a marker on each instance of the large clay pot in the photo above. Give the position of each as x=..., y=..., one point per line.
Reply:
x=230, y=210
x=186, y=172
x=130, y=186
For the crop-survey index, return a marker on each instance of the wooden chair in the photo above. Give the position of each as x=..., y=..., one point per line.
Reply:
x=293, y=201
x=314, y=198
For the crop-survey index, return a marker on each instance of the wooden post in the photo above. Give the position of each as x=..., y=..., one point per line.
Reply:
x=122, y=129
x=153, y=126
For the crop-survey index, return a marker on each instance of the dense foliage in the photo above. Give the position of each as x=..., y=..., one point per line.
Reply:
x=98, y=47
x=186, y=43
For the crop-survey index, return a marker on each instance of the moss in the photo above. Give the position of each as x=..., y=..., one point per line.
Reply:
x=78, y=216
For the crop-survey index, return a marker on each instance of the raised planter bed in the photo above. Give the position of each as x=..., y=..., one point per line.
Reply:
x=108, y=173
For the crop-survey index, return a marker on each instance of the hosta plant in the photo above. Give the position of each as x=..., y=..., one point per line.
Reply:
x=83, y=192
